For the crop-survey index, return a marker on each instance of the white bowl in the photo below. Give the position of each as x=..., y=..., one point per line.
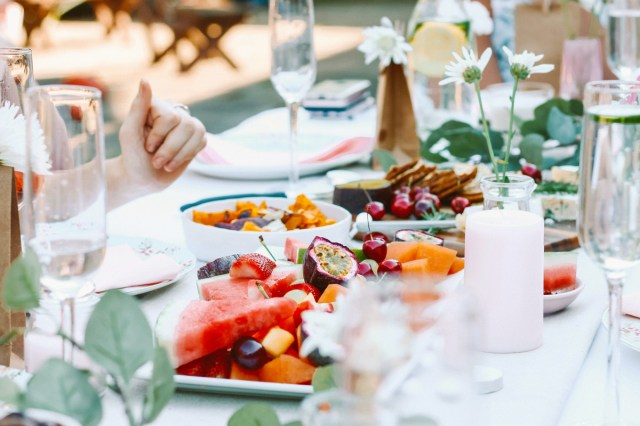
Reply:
x=559, y=301
x=209, y=243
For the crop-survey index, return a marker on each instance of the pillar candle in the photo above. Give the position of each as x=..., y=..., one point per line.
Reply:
x=504, y=266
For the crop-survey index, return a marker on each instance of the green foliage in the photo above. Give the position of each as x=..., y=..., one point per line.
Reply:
x=160, y=388
x=10, y=393
x=324, y=378
x=60, y=387
x=384, y=158
x=22, y=283
x=255, y=414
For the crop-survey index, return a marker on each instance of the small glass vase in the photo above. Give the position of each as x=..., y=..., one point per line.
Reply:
x=514, y=194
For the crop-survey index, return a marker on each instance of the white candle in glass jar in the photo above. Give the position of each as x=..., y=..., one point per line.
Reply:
x=504, y=266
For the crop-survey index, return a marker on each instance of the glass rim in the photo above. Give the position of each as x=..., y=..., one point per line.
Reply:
x=612, y=86
x=15, y=51
x=515, y=180
x=66, y=91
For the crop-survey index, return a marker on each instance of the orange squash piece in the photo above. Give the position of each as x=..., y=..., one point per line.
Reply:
x=416, y=267
x=331, y=293
x=239, y=373
x=402, y=251
x=287, y=369
x=457, y=265
x=440, y=258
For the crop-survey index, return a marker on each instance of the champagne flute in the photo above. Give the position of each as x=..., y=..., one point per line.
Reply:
x=609, y=214
x=623, y=47
x=293, y=64
x=65, y=205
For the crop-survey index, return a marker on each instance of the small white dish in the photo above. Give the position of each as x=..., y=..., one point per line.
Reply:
x=209, y=242
x=559, y=301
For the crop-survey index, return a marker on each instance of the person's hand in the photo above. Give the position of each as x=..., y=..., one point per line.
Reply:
x=158, y=140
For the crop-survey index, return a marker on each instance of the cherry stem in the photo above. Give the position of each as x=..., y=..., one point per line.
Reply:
x=266, y=248
x=262, y=290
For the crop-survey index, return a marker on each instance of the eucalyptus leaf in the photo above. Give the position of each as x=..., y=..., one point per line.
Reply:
x=324, y=378
x=161, y=386
x=22, y=283
x=255, y=414
x=59, y=387
x=10, y=392
x=464, y=145
x=535, y=127
x=118, y=336
x=576, y=107
x=531, y=148
x=384, y=158
x=561, y=127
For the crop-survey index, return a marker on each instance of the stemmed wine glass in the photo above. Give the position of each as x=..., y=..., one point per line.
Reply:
x=293, y=64
x=623, y=47
x=609, y=214
x=64, y=209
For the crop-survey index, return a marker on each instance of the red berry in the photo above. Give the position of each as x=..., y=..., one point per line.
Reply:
x=402, y=190
x=434, y=198
x=389, y=267
x=375, y=249
x=365, y=270
x=375, y=209
x=306, y=305
x=415, y=192
x=532, y=171
x=423, y=207
x=459, y=204
x=402, y=207
x=373, y=235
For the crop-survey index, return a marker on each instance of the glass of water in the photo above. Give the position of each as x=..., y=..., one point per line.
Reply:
x=65, y=193
x=609, y=194
x=623, y=47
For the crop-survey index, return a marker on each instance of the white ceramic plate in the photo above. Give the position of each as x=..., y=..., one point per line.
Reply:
x=559, y=301
x=149, y=247
x=630, y=330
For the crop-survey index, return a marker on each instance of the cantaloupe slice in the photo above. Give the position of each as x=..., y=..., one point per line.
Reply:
x=457, y=265
x=239, y=373
x=287, y=369
x=440, y=258
x=331, y=293
x=277, y=341
x=416, y=267
x=402, y=251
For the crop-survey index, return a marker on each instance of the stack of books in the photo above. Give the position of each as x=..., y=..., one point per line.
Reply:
x=338, y=98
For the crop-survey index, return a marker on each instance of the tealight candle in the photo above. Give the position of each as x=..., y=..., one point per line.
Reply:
x=504, y=266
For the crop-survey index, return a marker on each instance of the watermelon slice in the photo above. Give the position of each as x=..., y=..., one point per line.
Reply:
x=192, y=329
x=292, y=249
x=559, y=272
x=223, y=287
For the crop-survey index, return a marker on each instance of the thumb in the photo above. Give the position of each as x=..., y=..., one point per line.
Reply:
x=133, y=124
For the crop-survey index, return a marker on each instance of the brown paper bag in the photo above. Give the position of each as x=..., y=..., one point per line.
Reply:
x=396, y=129
x=9, y=250
x=542, y=28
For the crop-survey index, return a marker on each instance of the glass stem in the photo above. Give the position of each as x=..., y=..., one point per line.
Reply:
x=612, y=397
x=294, y=168
x=67, y=325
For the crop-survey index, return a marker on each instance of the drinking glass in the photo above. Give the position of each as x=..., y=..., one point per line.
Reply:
x=64, y=207
x=609, y=214
x=293, y=64
x=623, y=47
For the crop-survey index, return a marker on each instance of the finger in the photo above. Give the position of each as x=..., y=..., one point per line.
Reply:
x=188, y=151
x=173, y=143
x=161, y=125
x=133, y=124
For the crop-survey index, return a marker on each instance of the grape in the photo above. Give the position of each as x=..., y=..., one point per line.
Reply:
x=249, y=353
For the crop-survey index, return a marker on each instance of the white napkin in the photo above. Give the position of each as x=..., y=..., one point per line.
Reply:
x=123, y=267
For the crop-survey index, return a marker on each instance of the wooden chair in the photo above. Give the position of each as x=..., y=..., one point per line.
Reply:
x=202, y=23
x=35, y=12
x=107, y=11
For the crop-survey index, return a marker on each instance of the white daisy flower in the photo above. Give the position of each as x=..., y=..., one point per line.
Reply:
x=13, y=139
x=481, y=22
x=324, y=332
x=466, y=69
x=522, y=65
x=384, y=43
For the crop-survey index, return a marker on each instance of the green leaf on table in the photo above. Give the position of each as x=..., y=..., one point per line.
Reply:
x=10, y=393
x=534, y=127
x=161, y=386
x=293, y=423
x=118, y=336
x=255, y=414
x=59, y=387
x=324, y=378
x=576, y=107
x=531, y=149
x=384, y=158
x=561, y=127
x=464, y=144
x=22, y=283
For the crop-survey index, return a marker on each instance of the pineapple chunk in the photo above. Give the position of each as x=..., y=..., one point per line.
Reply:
x=277, y=341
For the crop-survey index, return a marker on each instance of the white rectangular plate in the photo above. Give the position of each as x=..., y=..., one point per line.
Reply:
x=242, y=387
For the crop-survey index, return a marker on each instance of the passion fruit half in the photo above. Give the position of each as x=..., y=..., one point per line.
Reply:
x=326, y=262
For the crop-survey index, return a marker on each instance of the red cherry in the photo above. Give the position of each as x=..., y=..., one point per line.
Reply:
x=378, y=235
x=402, y=190
x=532, y=171
x=365, y=270
x=402, y=207
x=434, y=198
x=390, y=267
x=375, y=209
x=75, y=112
x=375, y=249
x=307, y=288
x=459, y=204
x=423, y=207
x=415, y=192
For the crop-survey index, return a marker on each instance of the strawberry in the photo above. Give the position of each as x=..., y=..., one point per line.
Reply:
x=193, y=368
x=252, y=265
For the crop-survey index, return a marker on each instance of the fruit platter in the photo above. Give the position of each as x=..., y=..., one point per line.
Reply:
x=245, y=333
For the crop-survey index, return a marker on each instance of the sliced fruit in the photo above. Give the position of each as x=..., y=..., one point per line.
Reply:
x=417, y=235
x=223, y=287
x=252, y=265
x=457, y=265
x=239, y=373
x=219, y=266
x=331, y=293
x=287, y=369
x=306, y=288
x=559, y=272
x=432, y=45
x=440, y=258
x=402, y=251
x=327, y=263
x=192, y=329
x=314, y=357
x=416, y=267
x=277, y=341
x=292, y=249
x=277, y=284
